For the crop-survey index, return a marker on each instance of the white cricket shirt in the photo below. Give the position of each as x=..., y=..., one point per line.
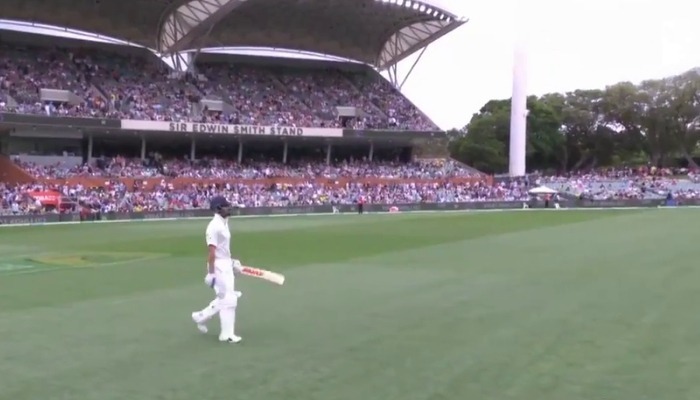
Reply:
x=219, y=235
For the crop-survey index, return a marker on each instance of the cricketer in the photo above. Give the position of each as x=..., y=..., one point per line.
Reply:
x=221, y=271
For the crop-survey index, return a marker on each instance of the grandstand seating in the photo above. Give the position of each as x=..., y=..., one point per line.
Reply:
x=116, y=196
x=141, y=87
x=209, y=168
x=128, y=86
x=113, y=194
x=628, y=183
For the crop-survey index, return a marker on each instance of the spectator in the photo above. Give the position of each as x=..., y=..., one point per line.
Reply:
x=130, y=87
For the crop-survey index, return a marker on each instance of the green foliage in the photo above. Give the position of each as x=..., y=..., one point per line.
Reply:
x=656, y=122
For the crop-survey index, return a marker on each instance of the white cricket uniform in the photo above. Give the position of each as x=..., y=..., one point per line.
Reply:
x=219, y=235
x=226, y=301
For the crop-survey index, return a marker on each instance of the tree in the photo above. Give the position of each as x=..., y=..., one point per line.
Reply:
x=483, y=143
x=655, y=122
x=545, y=143
x=684, y=115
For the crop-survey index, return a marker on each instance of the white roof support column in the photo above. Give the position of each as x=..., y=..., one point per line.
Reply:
x=180, y=28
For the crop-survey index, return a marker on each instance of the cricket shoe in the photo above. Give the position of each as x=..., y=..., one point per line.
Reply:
x=232, y=339
x=202, y=328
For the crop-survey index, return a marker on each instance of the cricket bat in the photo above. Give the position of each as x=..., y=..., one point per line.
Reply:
x=269, y=276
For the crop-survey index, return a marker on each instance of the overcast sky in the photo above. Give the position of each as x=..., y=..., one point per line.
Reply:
x=571, y=44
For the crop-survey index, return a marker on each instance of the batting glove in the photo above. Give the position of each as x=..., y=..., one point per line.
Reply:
x=210, y=280
x=237, y=267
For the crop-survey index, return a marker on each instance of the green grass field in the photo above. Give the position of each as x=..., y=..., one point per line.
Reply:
x=564, y=305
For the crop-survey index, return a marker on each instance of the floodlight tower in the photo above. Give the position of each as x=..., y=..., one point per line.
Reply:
x=518, y=106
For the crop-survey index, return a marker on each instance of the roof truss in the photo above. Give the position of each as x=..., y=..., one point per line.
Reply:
x=411, y=38
x=189, y=26
x=190, y=21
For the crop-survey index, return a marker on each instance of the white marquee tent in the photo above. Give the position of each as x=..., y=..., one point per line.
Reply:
x=542, y=190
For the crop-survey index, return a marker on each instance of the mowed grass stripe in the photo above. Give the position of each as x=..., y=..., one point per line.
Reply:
x=381, y=315
x=350, y=237
x=54, y=262
x=569, y=310
x=61, y=236
x=352, y=345
x=282, y=250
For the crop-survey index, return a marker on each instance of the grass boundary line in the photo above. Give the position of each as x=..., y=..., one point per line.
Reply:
x=154, y=256
x=467, y=211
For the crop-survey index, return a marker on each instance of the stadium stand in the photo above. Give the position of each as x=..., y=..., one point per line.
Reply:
x=627, y=183
x=114, y=126
x=103, y=85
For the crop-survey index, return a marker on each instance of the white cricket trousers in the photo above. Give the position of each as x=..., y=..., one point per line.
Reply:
x=226, y=300
x=225, y=280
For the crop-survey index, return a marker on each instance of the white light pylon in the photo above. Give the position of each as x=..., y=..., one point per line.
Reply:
x=518, y=113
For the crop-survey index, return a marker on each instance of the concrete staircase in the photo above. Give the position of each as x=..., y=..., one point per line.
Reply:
x=465, y=166
x=359, y=91
x=429, y=147
x=10, y=102
x=12, y=173
x=96, y=90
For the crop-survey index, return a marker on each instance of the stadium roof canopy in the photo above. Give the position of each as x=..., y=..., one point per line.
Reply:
x=376, y=32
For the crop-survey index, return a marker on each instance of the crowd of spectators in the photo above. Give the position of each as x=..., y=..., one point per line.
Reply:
x=116, y=196
x=620, y=173
x=627, y=183
x=133, y=87
x=117, y=167
x=210, y=168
